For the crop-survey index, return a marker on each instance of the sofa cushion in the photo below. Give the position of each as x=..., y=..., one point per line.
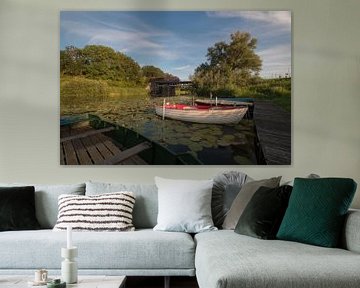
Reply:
x=263, y=215
x=317, y=209
x=184, y=205
x=17, y=208
x=225, y=259
x=350, y=239
x=146, y=205
x=105, y=212
x=46, y=200
x=243, y=198
x=142, y=249
x=226, y=187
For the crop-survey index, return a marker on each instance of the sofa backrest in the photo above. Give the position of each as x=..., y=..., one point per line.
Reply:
x=146, y=203
x=46, y=200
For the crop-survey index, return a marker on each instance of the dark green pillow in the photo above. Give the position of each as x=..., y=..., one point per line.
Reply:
x=264, y=213
x=316, y=211
x=17, y=208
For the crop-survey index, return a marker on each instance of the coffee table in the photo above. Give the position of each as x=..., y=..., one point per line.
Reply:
x=83, y=282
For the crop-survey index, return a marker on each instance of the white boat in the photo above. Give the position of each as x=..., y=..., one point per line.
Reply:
x=202, y=113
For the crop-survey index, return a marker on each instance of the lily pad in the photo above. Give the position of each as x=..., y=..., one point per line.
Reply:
x=242, y=160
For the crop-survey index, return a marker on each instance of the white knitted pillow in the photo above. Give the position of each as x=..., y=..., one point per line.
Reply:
x=105, y=212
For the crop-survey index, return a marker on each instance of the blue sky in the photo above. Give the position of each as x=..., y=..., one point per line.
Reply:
x=177, y=41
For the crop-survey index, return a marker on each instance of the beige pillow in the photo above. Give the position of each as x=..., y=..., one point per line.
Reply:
x=243, y=198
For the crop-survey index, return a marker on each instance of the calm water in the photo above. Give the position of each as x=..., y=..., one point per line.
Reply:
x=211, y=144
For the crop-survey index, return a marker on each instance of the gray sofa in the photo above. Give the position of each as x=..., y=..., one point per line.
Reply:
x=218, y=259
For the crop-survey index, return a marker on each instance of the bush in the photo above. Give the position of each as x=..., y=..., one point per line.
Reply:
x=79, y=90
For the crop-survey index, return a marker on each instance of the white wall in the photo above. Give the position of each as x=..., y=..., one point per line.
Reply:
x=326, y=91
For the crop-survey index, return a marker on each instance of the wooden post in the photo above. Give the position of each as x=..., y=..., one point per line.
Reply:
x=215, y=101
x=163, y=114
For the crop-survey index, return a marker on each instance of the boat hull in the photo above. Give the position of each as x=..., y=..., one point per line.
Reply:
x=223, y=102
x=213, y=115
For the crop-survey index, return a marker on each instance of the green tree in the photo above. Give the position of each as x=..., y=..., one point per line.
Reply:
x=101, y=63
x=150, y=72
x=128, y=71
x=229, y=65
x=71, y=61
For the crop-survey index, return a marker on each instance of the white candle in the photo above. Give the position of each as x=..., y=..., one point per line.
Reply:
x=69, y=239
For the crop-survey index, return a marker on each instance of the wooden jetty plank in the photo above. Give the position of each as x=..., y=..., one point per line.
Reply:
x=127, y=153
x=273, y=126
x=104, y=151
x=86, y=134
x=70, y=154
x=92, y=147
x=109, y=144
x=134, y=160
x=82, y=154
x=93, y=152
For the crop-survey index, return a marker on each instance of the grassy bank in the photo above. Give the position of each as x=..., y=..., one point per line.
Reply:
x=81, y=95
x=275, y=90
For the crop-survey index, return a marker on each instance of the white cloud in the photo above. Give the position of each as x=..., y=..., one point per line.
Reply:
x=186, y=67
x=121, y=38
x=279, y=18
x=276, y=60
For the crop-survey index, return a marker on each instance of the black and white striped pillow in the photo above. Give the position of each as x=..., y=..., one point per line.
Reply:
x=105, y=212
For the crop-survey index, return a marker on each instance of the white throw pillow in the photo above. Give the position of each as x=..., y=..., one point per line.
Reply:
x=105, y=212
x=184, y=205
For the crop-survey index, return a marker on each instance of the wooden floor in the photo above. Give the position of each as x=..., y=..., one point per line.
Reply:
x=158, y=282
x=93, y=149
x=273, y=125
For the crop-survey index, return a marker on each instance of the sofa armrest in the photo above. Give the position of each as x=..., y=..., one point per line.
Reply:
x=351, y=234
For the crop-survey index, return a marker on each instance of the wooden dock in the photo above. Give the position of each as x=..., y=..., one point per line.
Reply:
x=273, y=126
x=86, y=146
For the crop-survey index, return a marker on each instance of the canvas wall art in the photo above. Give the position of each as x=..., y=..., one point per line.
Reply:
x=175, y=87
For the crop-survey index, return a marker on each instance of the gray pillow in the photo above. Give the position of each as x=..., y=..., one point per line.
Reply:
x=184, y=205
x=226, y=187
x=243, y=198
x=146, y=206
x=46, y=200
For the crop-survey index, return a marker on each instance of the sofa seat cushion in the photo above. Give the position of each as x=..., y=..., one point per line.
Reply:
x=142, y=249
x=226, y=259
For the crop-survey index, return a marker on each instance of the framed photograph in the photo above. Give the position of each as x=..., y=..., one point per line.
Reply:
x=175, y=87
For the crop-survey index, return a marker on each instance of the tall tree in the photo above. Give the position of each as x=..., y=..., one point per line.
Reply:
x=150, y=71
x=229, y=65
x=71, y=61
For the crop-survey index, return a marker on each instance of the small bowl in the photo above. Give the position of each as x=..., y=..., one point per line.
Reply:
x=56, y=283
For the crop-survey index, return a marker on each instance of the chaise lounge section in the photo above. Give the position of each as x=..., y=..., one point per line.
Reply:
x=225, y=259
